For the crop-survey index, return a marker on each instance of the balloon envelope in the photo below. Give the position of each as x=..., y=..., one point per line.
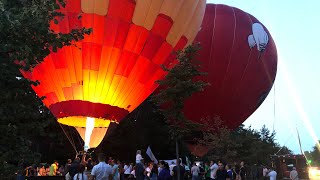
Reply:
x=240, y=57
x=112, y=70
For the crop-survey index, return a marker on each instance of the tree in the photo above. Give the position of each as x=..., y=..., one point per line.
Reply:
x=229, y=145
x=143, y=127
x=26, y=39
x=218, y=138
x=177, y=86
x=247, y=144
x=315, y=155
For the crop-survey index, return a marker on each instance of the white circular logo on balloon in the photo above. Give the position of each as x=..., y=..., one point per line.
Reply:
x=258, y=37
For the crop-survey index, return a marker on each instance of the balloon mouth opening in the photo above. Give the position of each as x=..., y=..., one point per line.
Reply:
x=88, y=127
x=79, y=108
x=81, y=121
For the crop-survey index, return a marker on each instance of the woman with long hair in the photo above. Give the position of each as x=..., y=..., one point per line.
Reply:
x=154, y=172
x=165, y=172
x=80, y=175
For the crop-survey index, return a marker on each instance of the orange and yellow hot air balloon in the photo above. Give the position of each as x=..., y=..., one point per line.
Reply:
x=112, y=70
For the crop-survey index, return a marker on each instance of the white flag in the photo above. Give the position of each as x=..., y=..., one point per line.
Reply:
x=188, y=162
x=150, y=154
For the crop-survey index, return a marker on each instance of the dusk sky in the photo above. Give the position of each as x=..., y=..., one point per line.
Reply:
x=293, y=101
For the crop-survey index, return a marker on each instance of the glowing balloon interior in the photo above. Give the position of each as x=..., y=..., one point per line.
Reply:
x=111, y=71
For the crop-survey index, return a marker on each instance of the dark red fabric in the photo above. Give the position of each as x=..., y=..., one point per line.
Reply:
x=170, y=61
x=123, y=28
x=162, y=25
x=126, y=63
x=152, y=45
x=87, y=109
x=239, y=80
x=91, y=56
x=122, y=9
x=59, y=61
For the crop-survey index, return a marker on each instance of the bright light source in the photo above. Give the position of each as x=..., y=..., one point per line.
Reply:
x=314, y=173
x=89, y=128
x=297, y=102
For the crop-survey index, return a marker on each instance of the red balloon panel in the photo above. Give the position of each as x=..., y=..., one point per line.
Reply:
x=240, y=76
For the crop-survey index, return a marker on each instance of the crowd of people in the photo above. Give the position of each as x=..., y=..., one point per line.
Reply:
x=43, y=170
x=112, y=169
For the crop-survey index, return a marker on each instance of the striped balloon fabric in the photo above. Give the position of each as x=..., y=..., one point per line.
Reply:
x=111, y=71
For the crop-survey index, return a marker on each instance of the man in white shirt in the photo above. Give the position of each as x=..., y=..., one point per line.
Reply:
x=101, y=171
x=294, y=174
x=265, y=172
x=138, y=156
x=127, y=170
x=272, y=174
x=213, y=170
x=195, y=172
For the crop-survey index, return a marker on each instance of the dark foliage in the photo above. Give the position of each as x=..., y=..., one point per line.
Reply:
x=25, y=37
x=247, y=144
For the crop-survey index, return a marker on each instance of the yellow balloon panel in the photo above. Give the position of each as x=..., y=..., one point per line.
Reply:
x=96, y=136
x=79, y=121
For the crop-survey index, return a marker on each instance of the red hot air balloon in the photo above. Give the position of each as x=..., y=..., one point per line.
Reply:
x=111, y=71
x=241, y=60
